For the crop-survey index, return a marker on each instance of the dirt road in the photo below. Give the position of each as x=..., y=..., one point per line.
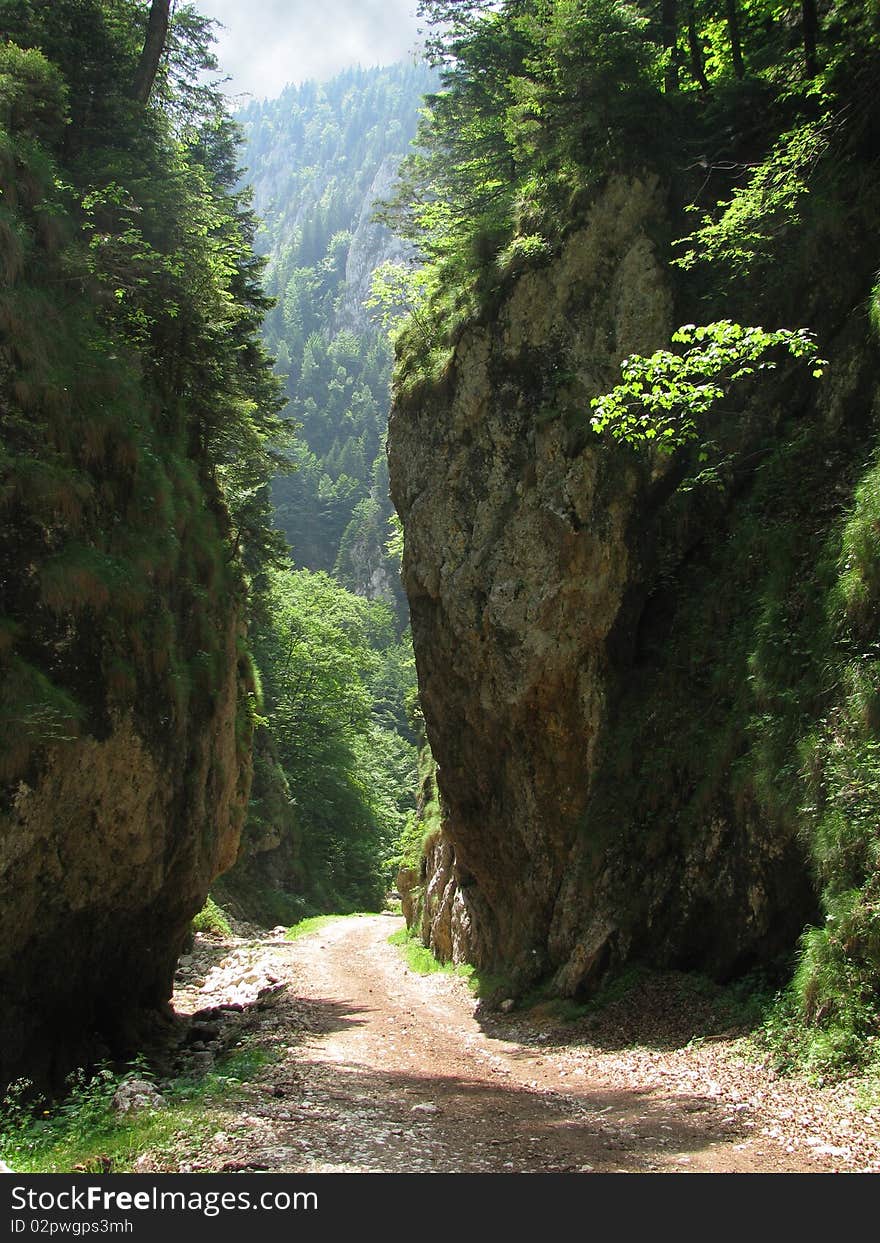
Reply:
x=380, y=1069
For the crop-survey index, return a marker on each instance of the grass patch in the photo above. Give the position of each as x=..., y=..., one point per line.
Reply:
x=422, y=961
x=485, y=985
x=557, y=1010
x=83, y=1131
x=314, y=923
x=827, y=1052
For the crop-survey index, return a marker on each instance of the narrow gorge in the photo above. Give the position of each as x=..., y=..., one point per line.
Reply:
x=621, y=720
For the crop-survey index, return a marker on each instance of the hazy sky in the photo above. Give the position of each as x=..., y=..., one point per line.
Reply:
x=268, y=43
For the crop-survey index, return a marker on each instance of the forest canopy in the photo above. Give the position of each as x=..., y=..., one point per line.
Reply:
x=739, y=103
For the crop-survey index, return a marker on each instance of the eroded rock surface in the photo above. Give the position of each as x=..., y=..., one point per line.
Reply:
x=531, y=551
x=107, y=850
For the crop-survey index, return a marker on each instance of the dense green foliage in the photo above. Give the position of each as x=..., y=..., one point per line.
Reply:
x=139, y=411
x=212, y=920
x=334, y=758
x=759, y=119
x=835, y=987
x=313, y=155
x=543, y=100
x=334, y=678
x=663, y=398
x=530, y=118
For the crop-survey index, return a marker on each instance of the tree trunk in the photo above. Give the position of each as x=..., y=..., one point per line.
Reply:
x=154, y=46
x=735, y=42
x=695, y=50
x=810, y=27
x=669, y=27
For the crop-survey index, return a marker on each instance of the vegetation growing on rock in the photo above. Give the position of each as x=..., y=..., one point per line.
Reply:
x=648, y=668
x=139, y=430
x=658, y=731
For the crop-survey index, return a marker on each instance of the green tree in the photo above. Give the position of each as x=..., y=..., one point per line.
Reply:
x=140, y=423
x=328, y=665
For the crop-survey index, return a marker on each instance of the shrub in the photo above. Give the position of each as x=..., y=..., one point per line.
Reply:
x=212, y=921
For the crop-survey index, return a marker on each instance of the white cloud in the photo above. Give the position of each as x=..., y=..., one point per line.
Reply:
x=268, y=43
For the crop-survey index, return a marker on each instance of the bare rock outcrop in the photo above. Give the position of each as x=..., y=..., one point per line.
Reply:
x=531, y=548
x=371, y=245
x=108, y=845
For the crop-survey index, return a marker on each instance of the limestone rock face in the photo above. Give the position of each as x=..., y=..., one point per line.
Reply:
x=529, y=554
x=371, y=245
x=107, y=849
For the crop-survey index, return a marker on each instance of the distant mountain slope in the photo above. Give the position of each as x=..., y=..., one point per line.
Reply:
x=318, y=157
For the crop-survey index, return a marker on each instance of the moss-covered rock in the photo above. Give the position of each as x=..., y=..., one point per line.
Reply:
x=620, y=654
x=127, y=364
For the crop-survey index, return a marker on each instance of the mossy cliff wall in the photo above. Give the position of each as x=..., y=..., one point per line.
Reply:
x=597, y=645
x=126, y=714
x=126, y=704
x=126, y=721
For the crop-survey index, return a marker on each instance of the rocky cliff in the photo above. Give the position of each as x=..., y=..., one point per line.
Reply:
x=108, y=845
x=595, y=641
x=128, y=372
x=371, y=245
